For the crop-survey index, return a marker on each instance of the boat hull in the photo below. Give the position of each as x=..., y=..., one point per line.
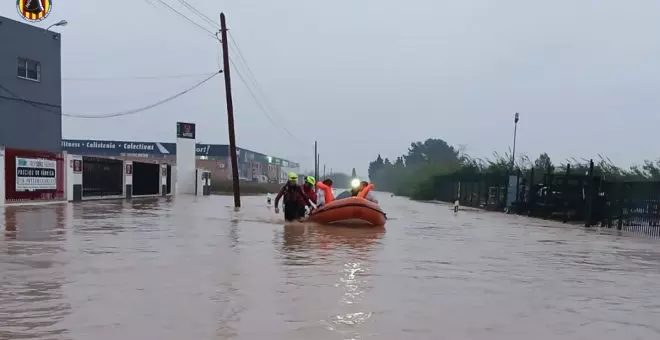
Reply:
x=350, y=211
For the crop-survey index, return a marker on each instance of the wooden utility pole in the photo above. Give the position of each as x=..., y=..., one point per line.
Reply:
x=316, y=159
x=230, y=112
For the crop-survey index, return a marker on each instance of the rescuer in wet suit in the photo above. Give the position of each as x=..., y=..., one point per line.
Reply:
x=294, y=199
x=309, y=188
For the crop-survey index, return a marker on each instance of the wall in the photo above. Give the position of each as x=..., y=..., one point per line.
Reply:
x=12, y=195
x=2, y=175
x=34, y=121
x=185, y=163
x=219, y=168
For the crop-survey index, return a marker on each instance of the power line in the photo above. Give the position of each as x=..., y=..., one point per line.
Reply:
x=114, y=114
x=187, y=19
x=172, y=76
x=258, y=87
x=240, y=56
x=199, y=13
x=259, y=104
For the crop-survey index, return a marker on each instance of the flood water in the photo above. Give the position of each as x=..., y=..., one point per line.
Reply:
x=195, y=269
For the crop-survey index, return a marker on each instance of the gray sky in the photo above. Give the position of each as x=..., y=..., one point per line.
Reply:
x=368, y=76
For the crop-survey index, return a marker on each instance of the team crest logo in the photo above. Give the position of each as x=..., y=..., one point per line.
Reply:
x=34, y=10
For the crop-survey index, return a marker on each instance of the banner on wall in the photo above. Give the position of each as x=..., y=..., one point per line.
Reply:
x=35, y=174
x=116, y=148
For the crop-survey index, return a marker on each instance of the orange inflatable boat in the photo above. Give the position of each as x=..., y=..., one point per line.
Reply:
x=350, y=211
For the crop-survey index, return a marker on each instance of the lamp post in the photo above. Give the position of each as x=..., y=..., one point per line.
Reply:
x=515, y=132
x=59, y=23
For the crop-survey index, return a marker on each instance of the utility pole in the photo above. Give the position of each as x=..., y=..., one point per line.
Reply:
x=516, y=118
x=316, y=159
x=230, y=112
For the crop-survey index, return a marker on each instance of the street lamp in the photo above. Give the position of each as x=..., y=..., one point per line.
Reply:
x=515, y=131
x=59, y=23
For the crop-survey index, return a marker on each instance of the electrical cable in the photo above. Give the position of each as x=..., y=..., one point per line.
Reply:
x=199, y=13
x=240, y=56
x=189, y=75
x=185, y=17
x=254, y=80
x=250, y=74
x=259, y=104
x=113, y=114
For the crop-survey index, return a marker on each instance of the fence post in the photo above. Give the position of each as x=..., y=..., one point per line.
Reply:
x=548, y=183
x=622, y=195
x=565, y=192
x=590, y=195
x=531, y=196
x=518, y=174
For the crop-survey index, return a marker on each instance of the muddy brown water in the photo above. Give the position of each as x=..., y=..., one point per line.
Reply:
x=195, y=269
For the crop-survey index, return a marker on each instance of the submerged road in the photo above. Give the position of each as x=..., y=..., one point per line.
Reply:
x=195, y=269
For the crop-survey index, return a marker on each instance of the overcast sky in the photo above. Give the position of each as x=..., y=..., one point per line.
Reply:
x=368, y=76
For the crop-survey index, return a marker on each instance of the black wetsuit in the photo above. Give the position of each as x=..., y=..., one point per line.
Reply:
x=294, y=201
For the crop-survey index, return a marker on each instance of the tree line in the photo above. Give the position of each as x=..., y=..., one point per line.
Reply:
x=411, y=172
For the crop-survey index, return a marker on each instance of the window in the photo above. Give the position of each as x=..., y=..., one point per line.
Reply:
x=29, y=69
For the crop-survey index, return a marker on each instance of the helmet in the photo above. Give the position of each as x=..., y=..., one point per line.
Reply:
x=293, y=176
x=311, y=180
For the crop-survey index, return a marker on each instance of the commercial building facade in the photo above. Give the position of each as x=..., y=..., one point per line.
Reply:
x=253, y=166
x=30, y=87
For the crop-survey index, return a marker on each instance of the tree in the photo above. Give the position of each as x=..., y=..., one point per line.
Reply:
x=414, y=173
x=432, y=151
x=375, y=167
x=544, y=163
x=422, y=158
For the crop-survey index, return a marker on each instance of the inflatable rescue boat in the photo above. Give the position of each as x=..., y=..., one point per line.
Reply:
x=356, y=211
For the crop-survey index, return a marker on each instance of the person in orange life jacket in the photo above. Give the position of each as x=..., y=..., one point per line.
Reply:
x=324, y=192
x=355, y=191
x=363, y=185
x=308, y=189
x=294, y=200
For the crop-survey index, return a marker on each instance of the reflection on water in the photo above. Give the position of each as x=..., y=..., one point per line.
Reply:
x=32, y=303
x=193, y=268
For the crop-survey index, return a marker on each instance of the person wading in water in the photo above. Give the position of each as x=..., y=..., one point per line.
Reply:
x=294, y=199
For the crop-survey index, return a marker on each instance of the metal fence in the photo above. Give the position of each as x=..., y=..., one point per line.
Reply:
x=567, y=196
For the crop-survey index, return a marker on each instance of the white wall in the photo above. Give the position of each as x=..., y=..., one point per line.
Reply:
x=185, y=164
x=71, y=177
x=128, y=178
x=173, y=170
x=163, y=179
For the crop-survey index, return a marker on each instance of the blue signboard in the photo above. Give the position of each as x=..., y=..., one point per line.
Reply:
x=116, y=148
